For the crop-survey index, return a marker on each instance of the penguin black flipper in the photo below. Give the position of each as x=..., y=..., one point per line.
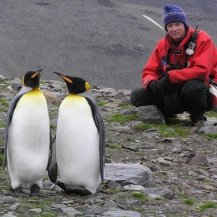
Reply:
x=12, y=107
x=101, y=129
x=52, y=163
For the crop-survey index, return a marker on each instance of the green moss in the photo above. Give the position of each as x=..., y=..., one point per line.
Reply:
x=207, y=205
x=211, y=114
x=1, y=158
x=190, y=201
x=52, y=126
x=124, y=105
x=109, y=189
x=210, y=136
x=3, y=101
x=173, y=131
x=143, y=126
x=47, y=214
x=164, y=130
x=102, y=103
x=35, y=202
x=140, y=196
x=122, y=118
x=114, y=146
x=2, y=124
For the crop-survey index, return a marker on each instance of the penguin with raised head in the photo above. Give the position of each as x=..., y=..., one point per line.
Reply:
x=80, y=141
x=27, y=136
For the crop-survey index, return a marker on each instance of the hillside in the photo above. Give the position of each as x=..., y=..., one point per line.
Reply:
x=105, y=41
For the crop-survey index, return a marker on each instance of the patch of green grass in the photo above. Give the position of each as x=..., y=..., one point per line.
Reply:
x=211, y=114
x=143, y=126
x=52, y=126
x=47, y=214
x=114, y=146
x=210, y=136
x=3, y=101
x=189, y=201
x=2, y=124
x=140, y=196
x=164, y=130
x=109, y=189
x=173, y=131
x=1, y=158
x=207, y=205
x=122, y=118
x=35, y=202
x=102, y=103
x=125, y=105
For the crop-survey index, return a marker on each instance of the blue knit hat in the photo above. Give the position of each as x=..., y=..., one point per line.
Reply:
x=174, y=13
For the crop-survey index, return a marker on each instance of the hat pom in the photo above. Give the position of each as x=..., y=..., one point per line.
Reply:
x=167, y=9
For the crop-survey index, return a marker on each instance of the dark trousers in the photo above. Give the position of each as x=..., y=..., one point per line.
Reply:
x=193, y=97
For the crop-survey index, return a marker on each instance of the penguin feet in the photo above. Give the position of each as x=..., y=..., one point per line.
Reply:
x=81, y=192
x=17, y=191
x=35, y=190
x=62, y=185
x=76, y=190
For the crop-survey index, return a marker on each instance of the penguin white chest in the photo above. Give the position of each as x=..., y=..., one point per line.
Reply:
x=77, y=144
x=28, y=136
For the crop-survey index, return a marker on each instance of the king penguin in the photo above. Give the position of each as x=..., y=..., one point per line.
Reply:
x=27, y=136
x=78, y=153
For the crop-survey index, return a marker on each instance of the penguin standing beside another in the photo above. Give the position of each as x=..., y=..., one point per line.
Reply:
x=80, y=141
x=27, y=136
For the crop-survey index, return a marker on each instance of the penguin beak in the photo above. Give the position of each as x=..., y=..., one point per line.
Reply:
x=40, y=70
x=66, y=79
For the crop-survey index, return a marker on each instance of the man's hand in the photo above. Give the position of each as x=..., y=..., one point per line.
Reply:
x=157, y=87
x=153, y=86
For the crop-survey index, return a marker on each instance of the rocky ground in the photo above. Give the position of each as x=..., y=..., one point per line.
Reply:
x=107, y=41
x=152, y=170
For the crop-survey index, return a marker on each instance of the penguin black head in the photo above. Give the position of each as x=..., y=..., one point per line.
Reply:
x=31, y=79
x=74, y=84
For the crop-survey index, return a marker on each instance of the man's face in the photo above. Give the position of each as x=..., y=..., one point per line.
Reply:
x=176, y=30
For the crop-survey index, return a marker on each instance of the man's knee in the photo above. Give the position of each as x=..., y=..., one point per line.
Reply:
x=194, y=88
x=134, y=97
x=140, y=97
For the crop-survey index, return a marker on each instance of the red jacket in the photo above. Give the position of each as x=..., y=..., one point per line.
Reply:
x=201, y=65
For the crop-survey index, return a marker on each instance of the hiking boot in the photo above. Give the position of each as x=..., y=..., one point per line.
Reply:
x=166, y=115
x=198, y=124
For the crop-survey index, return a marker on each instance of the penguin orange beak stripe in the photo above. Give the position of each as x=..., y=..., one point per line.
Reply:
x=67, y=79
x=64, y=77
x=35, y=74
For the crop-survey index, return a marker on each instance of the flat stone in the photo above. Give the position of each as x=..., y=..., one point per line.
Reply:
x=150, y=114
x=199, y=159
x=133, y=188
x=118, y=213
x=70, y=211
x=9, y=214
x=162, y=192
x=36, y=210
x=127, y=173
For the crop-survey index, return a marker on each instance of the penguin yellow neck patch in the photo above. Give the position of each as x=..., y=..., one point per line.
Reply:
x=34, y=91
x=32, y=98
x=73, y=96
x=75, y=99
